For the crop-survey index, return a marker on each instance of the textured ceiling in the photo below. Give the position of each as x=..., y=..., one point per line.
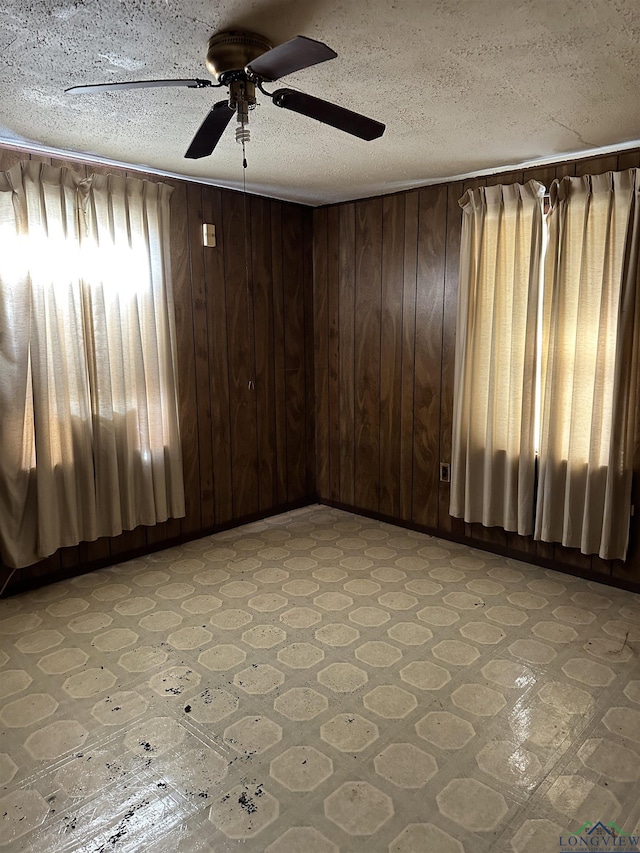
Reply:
x=463, y=86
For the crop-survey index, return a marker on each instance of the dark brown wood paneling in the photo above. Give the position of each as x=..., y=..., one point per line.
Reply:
x=158, y=533
x=296, y=444
x=128, y=542
x=572, y=557
x=278, y=340
x=544, y=550
x=244, y=450
x=409, y=283
x=310, y=414
x=242, y=395
x=391, y=353
x=600, y=566
x=447, y=522
x=368, y=253
x=265, y=356
x=69, y=557
x=546, y=175
x=294, y=351
x=218, y=358
x=321, y=348
x=319, y=379
x=430, y=289
x=564, y=170
x=201, y=349
x=597, y=165
x=346, y=360
x=333, y=319
x=421, y=307
x=629, y=160
x=100, y=549
x=503, y=178
x=40, y=573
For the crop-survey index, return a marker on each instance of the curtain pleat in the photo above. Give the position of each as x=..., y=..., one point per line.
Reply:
x=87, y=336
x=493, y=460
x=590, y=373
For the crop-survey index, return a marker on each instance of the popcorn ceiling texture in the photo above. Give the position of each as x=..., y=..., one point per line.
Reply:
x=314, y=683
x=462, y=85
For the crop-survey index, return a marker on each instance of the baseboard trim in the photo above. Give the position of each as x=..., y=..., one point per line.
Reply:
x=521, y=556
x=19, y=585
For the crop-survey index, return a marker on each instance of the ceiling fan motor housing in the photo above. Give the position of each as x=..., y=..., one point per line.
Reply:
x=243, y=61
x=230, y=52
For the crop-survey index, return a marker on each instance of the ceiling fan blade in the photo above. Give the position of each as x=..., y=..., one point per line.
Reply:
x=294, y=55
x=191, y=83
x=209, y=133
x=327, y=113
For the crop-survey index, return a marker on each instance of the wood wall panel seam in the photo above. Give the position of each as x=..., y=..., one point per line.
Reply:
x=367, y=353
x=294, y=352
x=203, y=364
x=440, y=486
x=409, y=290
x=264, y=349
x=251, y=296
x=391, y=286
x=278, y=335
x=321, y=365
x=309, y=364
x=346, y=335
x=333, y=354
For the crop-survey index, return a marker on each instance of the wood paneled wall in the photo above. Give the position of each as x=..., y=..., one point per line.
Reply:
x=344, y=320
x=385, y=289
x=245, y=357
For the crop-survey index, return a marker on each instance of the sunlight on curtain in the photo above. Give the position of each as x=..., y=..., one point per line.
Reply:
x=589, y=364
x=87, y=350
x=493, y=461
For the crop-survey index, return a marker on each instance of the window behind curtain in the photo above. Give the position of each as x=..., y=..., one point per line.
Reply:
x=587, y=364
x=590, y=386
x=87, y=334
x=493, y=461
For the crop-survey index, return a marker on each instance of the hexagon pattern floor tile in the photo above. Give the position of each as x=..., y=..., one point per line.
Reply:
x=313, y=683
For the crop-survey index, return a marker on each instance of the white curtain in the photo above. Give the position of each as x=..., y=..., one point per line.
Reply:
x=89, y=437
x=591, y=328
x=493, y=460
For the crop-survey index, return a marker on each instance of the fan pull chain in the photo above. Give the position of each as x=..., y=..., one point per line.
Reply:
x=243, y=134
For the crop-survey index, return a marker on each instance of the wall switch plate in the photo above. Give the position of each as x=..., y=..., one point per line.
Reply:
x=208, y=235
x=445, y=472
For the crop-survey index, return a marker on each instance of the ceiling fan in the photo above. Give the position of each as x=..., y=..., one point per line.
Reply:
x=244, y=61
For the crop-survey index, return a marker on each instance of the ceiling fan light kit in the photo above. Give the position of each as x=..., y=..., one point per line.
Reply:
x=243, y=62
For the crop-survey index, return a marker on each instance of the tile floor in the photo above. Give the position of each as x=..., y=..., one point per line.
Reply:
x=317, y=682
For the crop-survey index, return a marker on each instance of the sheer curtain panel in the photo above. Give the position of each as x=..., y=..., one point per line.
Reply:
x=89, y=437
x=493, y=460
x=591, y=324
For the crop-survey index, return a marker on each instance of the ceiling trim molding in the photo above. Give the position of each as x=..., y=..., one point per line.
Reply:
x=267, y=192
